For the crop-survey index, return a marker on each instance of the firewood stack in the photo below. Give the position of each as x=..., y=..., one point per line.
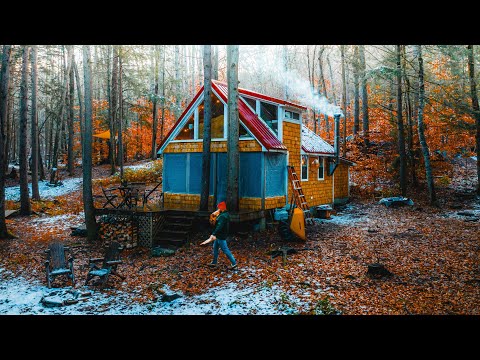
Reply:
x=120, y=229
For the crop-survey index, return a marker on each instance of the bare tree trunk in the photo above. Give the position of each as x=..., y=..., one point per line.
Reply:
x=57, y=144
x=162, y=120
x=215, y=62
x=411, y=152
x=356, y=93
x=233, y=153
x=332, y=83
x=90, y=221
x=70, y=115
x=400, y=127
x=155, y=102
x=4, y=86
x=120, y=117
x=81, y=116
x=207, y=118
x=363, y=76
x=285, y=68
x=344, y=100
x=25, y=207
x=421, y=131
x=113, y=110
x=34, y=126
x=475, y=106
x=177, y=83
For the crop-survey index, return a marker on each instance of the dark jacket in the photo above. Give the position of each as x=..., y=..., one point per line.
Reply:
x=222, y=226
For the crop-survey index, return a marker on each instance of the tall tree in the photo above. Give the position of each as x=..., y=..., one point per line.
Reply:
x=207, y=121
x=421, y=127
x=215, y=62
x=113, y=107
x=344, y=100
x=363, y=77
x=70, y=114
x=89, y=210
x=400, y=127
x=162, y=118
x=34, y=126
x=475, y=106
x=25, y=207
x=155, y=102
x=356, y=92
x=4, y=86
x=59, y=123
x=120, y=107
x=233, y=129
x=177, y=83
x=409, y=111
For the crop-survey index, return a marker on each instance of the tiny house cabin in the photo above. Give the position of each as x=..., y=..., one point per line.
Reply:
x=271, y=137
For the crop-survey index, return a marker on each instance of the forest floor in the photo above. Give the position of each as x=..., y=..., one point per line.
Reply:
x=432, y=254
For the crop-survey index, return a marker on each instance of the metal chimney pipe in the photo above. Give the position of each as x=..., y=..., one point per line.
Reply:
x=337, y=136
x=336, y=144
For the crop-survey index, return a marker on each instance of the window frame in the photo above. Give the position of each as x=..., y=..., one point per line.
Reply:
x=321, y=160
x=301, y=167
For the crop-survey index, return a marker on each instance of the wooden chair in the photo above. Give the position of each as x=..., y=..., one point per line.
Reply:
x=56, y=263
x=109, y=196
x=109, y=265
x=137, y=193
x=149, y=192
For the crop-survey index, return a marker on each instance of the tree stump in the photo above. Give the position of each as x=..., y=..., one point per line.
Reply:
x=377, y=270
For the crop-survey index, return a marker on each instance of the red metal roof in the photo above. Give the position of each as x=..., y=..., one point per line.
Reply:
x=256, y=126
x=265, y=97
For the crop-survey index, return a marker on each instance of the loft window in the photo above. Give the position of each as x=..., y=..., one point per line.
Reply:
x=187, y=132
x=243, y=133
x=217, y=119
x=269, y=114
x=252, y=103
x=304, y=167
x=321, y=168
x=292, y=115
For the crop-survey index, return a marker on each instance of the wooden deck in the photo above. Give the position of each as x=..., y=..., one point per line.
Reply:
x=241, y=216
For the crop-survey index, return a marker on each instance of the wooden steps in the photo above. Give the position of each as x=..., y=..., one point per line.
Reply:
x=175, y=231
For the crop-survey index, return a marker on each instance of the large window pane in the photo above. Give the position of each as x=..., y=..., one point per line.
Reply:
x=252, y=103
x=321, y=168
x=304, y=167
x=269, y=114
x=187, y=132
x=217, y=119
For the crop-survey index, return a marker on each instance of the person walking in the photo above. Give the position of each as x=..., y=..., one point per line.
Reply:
x=219, y=236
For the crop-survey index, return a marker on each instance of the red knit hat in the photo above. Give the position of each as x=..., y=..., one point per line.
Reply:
x=222, y=205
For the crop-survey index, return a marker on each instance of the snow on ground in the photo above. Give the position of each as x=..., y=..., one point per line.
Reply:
x=143, y=165
x=472, y=214
x=18, y=296
x=46, y=192
x=349, y=215
x=59, y=221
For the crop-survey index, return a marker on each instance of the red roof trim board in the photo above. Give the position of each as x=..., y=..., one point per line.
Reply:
x=200, y=92
x=265, y=97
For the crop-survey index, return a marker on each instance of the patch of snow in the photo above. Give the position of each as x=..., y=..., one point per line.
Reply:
x=46, y=192
x=19, y=296
x=349, y=215
x=144, y=165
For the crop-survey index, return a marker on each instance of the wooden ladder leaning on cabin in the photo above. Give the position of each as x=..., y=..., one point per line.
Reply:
x=298, y=195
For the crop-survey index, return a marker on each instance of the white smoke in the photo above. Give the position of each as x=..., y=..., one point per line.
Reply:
x=298, y=88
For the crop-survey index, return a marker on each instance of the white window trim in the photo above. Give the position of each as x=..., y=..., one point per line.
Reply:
x=323, y=165
x=301, y=168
